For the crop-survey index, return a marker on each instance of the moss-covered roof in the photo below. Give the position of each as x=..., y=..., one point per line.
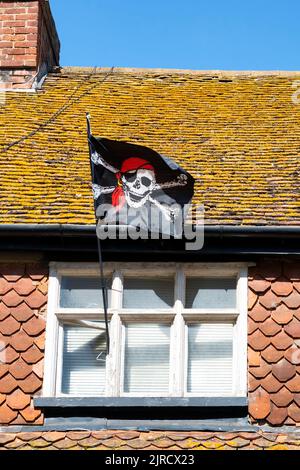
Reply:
x=237, y=133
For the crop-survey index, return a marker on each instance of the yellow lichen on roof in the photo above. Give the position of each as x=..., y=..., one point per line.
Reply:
x=237, y=133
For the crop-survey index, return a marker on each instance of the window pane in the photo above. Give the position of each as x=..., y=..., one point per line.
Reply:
x=210, y=293
x=210, y=359
x=82, y=292
x=147, y=355
x=148, y=293
x=83, y=364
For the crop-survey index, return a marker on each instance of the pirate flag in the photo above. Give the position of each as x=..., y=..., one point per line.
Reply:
x=138, y=186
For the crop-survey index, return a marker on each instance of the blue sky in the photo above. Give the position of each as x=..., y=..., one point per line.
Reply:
x=189, y=34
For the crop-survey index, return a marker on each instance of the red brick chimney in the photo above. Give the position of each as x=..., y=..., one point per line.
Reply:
x=29, y=44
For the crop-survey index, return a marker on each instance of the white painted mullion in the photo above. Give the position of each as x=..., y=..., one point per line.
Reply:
x=59, y=365
x=177, y=348
x=113, y=363
x=240, y=336
x=52, y=330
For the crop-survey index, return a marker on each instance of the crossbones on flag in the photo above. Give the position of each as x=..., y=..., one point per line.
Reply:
x=134, y=178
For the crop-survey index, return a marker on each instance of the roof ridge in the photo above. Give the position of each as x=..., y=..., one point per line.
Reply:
x=137, y=70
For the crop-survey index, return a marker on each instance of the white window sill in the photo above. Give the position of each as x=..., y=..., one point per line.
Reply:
x=123, y=402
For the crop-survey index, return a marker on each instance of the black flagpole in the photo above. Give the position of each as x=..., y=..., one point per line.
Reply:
x=103, y=283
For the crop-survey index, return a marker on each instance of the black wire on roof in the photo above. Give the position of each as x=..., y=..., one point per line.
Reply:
x=70, y=101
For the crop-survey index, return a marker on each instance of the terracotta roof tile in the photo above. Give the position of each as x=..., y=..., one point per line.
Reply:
x=259, y=284
x=188, y=443
x=282, y=314
x=269, y=300
x=8, y=355
x=22, y=312
x=36, y=299
x=12, y=299
x=40, y=342
x=4, y=311
x=293, y=355
x=282, y=286
x=5, y=286
x=281, y=341
x=3, y=369
x=9, y=326
x=31, y=384
x=111, y=443
x=18, y=400
x=282, y=398
x=30, y=436
x=271, y=354
x=212, y=445
x=277, y=415
x=271, y=384
x=156, y=440
x=294, y=384
x=253, y=383
x=252, y=299
x=20, y=369
x=259, y=404
x=8, y=384
x=104, y=434
x=20, y=341
x=259, y=313
x=269, y=327
x=258, y=341
x=126, y=435
x=253, y=357
x=252, y=326
x=38, y=369
x=294, y=412
x=292, y=301
x=207, y=110
x=293, y=328
x=7, y=415
x=24, y=286
x=32, y=355
x=76, y=435
x=16, y=444
x=20, y=421
x=262, y=371
x=88, y=441
x=39, y=444
x=297, y=398
x=34, y=326
x=53, y=436
x=5, y=438
x=283, y=370
x=30, y=414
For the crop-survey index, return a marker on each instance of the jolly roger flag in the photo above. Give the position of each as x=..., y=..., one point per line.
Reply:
x=136, y=185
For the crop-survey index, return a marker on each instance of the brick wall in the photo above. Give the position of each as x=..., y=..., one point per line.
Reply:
x=23, y=294
x=28, y=42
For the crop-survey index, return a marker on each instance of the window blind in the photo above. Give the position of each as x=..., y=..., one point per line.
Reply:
x=210, y=359
x=83, y=374
x=210, y=293
x=83, y=292
x=147, y=355
x=148, y=293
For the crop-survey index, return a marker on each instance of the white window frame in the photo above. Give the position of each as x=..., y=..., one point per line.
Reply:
x=177, y=317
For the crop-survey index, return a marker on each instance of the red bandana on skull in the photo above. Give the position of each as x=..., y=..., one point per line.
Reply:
x=131, y=164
